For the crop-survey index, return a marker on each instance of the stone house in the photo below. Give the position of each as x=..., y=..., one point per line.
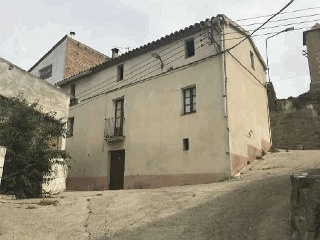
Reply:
x=184, y=109
x=311, y=39
x=15, y=81
x=66, y=58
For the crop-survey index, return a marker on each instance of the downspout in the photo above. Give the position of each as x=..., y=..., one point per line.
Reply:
x=220, y=22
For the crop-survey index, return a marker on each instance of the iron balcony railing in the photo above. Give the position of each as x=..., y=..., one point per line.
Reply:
x=114, y=127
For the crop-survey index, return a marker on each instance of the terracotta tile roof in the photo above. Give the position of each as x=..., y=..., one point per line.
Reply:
x=177, y=35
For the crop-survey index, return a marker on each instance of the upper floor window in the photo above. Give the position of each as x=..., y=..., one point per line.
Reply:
x=70, y=124
x=189, y=100
x=190, y=47
x=252, y=59
x=73, y=99
x=45, y=72
x=119, y=114
x=120, y=72
x=72, y=90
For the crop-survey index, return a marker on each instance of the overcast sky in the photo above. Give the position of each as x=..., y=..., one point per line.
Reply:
x=28, y=29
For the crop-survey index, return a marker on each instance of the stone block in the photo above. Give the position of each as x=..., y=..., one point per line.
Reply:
x=305, y=205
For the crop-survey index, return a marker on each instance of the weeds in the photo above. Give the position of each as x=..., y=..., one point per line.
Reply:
x=46, y=202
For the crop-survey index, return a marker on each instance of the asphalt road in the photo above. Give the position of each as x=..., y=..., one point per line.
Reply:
x=255, y=205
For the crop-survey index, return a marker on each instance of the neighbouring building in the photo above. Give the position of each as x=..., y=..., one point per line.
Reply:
x=66, y=58
x=15, y=81
x=295, y=122
x=188, y=108
x=311, y=39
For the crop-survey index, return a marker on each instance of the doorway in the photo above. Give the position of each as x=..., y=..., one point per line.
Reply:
x=117, y=170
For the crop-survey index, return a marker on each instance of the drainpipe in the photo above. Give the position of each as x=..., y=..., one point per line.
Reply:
x=220, y=22
x=223, y=64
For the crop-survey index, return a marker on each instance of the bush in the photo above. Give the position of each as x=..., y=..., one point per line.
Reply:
x=27, y=134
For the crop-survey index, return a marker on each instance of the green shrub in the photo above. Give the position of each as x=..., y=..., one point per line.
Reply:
x=27, y=134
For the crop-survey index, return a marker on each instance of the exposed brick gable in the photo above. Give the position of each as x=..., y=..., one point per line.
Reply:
x=80, y=57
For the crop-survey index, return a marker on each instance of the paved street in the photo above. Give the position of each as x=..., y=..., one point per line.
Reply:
x=255, y=205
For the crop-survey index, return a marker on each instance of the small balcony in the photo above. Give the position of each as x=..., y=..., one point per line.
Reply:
x=114, y=129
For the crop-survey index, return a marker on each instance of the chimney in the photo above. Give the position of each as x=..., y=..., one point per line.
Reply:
x=115, y=52
x=72, y=34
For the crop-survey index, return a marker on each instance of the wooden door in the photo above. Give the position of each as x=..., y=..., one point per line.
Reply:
x=117, y=170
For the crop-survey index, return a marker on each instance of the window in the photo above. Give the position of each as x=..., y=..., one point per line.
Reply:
x=252, y=59
x=189, y=47
x=72, y=90
x=120, y=72
x=189, y=100
x=185, y=144
x=70, y=127
x=73, y=99
x=45, y=72
x=119, y=112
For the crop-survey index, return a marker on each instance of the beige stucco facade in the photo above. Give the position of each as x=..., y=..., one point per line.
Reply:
x=247, y=102
x=154, y=122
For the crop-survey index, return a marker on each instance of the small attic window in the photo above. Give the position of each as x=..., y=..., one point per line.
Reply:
x=252, y=59
x=190, y=47
x=45, y=72
x=120, y=72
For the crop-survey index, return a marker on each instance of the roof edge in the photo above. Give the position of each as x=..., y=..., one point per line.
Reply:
x=33, y=76
x=45, y=55
x=247, y=34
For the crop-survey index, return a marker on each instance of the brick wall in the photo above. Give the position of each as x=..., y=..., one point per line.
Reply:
x=80, y=58
x=296, y=129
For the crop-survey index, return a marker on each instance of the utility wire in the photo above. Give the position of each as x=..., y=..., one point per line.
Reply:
x=135, y=65
x=261, y=16
x=277, y=26
x=106, y=83
x=266, y=34
x=257, y=29
x=287, y=5
x=121, y=83
x=141, y=80
x=283, y=19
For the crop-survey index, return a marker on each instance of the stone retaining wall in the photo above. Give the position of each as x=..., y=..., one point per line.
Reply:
x=296, y=130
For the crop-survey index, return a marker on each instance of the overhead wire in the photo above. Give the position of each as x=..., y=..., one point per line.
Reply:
x=121, y=83
x=258, y=28
x=155, y=60
x=107, y=82
x=282, y=19
x=86, y=101
x=268, y=15
x=277, y=26
x=266, y=34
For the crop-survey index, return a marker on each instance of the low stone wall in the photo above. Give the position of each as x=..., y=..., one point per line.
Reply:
x=2, y=155
x=296, y=129
x=58, y=184
x=305, y=205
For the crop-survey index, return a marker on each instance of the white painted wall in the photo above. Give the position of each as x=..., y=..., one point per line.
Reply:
x=57, y=58
x=2, y=157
